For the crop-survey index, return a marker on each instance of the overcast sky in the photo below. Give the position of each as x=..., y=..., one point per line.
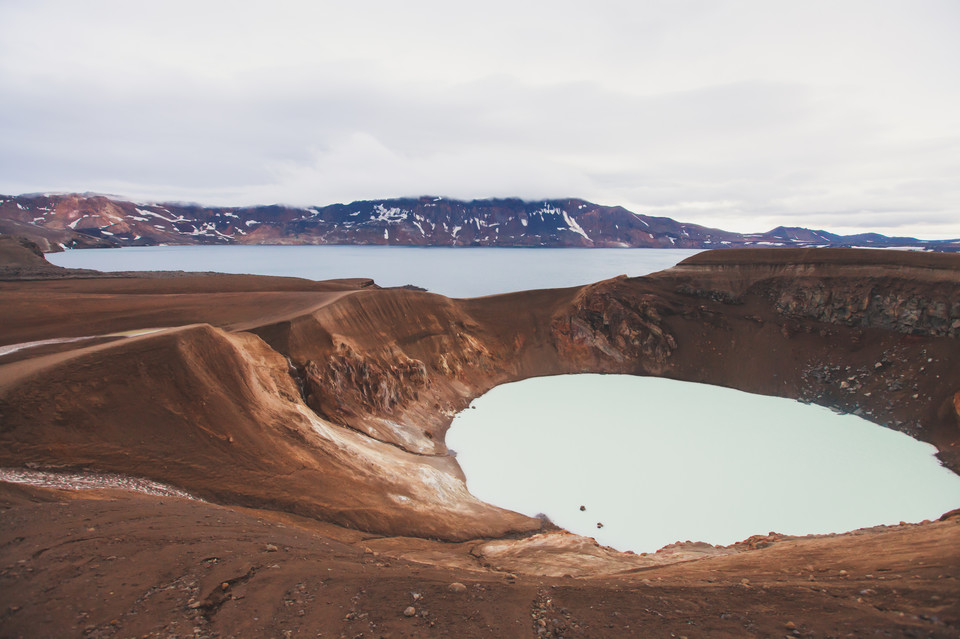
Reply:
x=743, y=115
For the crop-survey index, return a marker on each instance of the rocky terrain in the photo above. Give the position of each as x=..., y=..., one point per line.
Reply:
x=305, y=422
x=82, y=221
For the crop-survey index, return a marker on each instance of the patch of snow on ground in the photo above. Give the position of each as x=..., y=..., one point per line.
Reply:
x=13, y=348
x=391, y=215
x=178, y=218
x=641, y=220
x=90, y=481
x=572, y=223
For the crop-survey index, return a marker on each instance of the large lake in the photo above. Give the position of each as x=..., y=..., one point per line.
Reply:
x=455, y=272
x=654, y=460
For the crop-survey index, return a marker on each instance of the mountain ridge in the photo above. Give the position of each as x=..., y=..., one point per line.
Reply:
x=69, y=220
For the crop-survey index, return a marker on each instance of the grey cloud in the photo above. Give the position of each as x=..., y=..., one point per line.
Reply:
x=655, y=107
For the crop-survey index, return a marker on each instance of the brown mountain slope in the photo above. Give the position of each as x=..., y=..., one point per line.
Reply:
x=218, y=414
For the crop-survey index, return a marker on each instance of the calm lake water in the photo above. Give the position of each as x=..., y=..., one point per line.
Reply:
x=454, y=272
x=656, y=461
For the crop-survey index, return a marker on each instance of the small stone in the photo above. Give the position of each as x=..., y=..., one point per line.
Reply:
x=582, y=508
x=843, y=573
x=409, y=611
x=224, y=585
x=790, y=625
x=195, y=605
x=457, y=587
x=271, y=548
x=599, y=524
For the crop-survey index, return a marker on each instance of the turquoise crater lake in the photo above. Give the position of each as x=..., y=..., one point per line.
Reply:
x=658, y=461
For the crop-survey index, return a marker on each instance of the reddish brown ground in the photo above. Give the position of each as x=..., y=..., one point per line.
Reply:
x=120, y=565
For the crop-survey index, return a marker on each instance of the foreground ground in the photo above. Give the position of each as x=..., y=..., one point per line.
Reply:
x=112, y=564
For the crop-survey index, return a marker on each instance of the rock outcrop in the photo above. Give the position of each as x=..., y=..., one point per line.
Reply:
x=609, y=326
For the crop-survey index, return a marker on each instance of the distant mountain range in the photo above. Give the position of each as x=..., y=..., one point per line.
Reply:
x=58, y=221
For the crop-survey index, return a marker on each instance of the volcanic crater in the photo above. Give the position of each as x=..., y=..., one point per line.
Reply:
x=301, y=425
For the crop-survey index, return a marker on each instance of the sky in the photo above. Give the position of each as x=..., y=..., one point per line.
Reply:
x=741, y=115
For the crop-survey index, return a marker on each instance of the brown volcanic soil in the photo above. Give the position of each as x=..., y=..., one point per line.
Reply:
x=324, y=405
x=109, y=564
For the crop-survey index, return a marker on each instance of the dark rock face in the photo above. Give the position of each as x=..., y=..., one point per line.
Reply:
x=78, y=221
x=347, y=380
x=609, y=323
x=936, y=313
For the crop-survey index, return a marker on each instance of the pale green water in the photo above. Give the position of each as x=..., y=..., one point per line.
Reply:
x=657, y=461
